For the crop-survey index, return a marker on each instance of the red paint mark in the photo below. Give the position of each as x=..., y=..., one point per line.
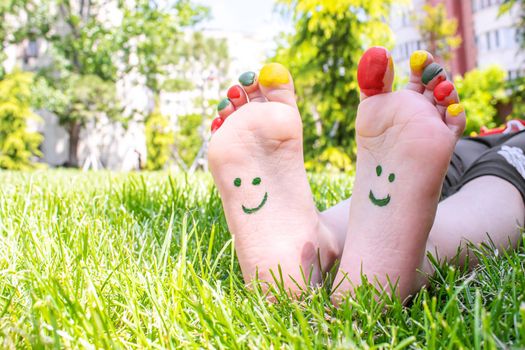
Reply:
x=371, y=71
x=215, y=124
x=234, y=92
x=443, y=90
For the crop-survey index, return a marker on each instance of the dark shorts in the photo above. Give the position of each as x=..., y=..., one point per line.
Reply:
x=501, y=155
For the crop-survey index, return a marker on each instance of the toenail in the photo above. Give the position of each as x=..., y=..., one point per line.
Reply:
x=223, y=104
x=247, y=78
x=215, y=124
x=430, y=72
x=455, y=109
x=417, y=60
x=234, y=92
x=372, y=69
x=443, y=90
x=273, y=74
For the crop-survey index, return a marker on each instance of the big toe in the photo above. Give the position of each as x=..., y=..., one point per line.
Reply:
x=375, y=72
x=276, y=84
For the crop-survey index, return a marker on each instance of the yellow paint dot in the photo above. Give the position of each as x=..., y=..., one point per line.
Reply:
x=273, y=74
x=455, y=109
x=390, y=63
x=417, y=60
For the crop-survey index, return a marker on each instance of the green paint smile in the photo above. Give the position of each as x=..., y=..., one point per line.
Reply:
x=381, y=202
x=253, y=210
x=255, y=182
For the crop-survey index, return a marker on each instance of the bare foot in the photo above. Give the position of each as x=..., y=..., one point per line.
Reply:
x=404, y=143
x=256, y=159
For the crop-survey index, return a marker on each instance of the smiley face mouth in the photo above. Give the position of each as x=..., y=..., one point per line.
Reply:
x=381, y=202
x=253, y=210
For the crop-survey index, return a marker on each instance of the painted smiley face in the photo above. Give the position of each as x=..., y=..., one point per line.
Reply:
x=255, y=182
x=381, y=202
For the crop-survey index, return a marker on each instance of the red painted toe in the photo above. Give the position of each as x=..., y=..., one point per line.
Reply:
x=234, y=92
x=216, y=124
x=371, y=70
x=443, y=90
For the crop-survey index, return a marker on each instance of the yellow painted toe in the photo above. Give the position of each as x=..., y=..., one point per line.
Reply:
x=455, y=109
x=417, y=60
x=273, y=74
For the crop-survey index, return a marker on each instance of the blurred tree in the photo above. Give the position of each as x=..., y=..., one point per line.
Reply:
x=322, y=54
x=150, y=36
x=103, y=39
x=481, y=91
x=160, y=137
x=438, y=31
x=189, y=138
x=20, y=20
x=205, y=63
x=18, y=145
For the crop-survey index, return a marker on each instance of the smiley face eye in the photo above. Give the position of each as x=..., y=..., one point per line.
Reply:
x=391, y=177
x=256, y=181
x=379, y=170
x=237, y=182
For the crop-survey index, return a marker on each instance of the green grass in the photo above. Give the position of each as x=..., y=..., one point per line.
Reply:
x=104, y=260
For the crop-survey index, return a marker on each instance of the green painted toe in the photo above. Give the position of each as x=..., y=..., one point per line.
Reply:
x=247, y=78
x=430, y=72
x=223, y=104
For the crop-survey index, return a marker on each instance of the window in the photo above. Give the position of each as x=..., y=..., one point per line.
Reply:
x=482, y=4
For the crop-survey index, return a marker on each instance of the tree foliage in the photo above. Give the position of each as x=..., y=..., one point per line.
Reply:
x=322, y=54
x=18, y=145
x=188, y=138
x=438, y=31
x=96, y=42
x=481, y=91
x=205, y=62
x=160, y=137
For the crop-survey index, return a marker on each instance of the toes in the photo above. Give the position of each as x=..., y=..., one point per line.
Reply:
x=445, y=94
x=250, y=85
x=237, y=96
x=455, y=118
x=216, y=124
x=225, y=108
x=432, y=75
x=375, y=72
x=276, y=84
x=419, y=60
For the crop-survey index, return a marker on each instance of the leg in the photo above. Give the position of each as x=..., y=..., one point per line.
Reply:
x=256, y=159
x=404, y=143
x=486, y=208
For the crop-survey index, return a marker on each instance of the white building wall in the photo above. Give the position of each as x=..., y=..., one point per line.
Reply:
x=496, y=38
x=406, y=35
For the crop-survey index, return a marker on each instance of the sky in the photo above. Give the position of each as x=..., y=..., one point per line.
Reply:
x=245, y=16
x=251, y=28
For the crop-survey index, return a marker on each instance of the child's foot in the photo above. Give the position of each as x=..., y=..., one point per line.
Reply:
x=404, y=143
x=256, y=159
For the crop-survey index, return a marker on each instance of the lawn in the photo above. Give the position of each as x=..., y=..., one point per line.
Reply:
x=107, y=260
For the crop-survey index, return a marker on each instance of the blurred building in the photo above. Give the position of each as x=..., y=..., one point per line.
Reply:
x=246, y=51
x=109, y=145
x=104, y=144
x=487, y=37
